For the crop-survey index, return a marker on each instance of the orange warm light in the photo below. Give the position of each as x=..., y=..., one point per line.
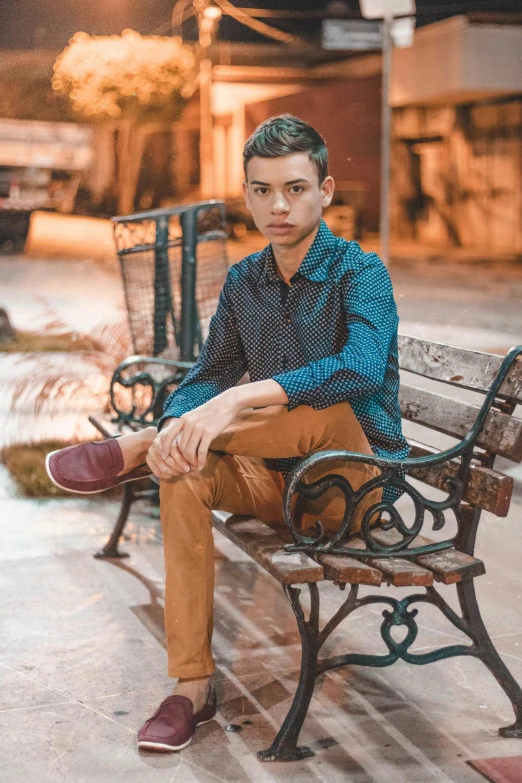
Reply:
x=213, y=12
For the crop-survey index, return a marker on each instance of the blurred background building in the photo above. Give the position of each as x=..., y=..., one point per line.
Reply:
x=457, y=116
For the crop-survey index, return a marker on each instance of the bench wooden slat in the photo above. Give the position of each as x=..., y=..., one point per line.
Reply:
x=458, y=366
x=449, y=566
x=486, y=488
x=502, y=434
x=397, y=571
x=341, y=568
x=265, y=546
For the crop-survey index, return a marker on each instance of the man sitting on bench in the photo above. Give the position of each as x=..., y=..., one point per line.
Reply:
x=313, y=321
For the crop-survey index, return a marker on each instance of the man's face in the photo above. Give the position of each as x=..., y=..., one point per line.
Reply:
x=285, y=197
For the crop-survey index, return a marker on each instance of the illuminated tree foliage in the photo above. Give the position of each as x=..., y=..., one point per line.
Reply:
x=125, y=75
x=131, y=79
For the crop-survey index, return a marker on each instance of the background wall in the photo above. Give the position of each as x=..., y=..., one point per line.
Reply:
x=347, y=114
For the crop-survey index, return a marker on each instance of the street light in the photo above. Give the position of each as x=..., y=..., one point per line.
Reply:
x=212, y=12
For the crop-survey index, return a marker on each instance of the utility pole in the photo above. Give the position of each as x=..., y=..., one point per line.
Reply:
x=387, y=10
x=208, y=18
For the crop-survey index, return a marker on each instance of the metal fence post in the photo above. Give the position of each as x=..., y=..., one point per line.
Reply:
x=189, y=226
x=162, y=298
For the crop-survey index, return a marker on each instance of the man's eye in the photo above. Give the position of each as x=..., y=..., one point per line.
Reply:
x=296, y=188
x=262, y=191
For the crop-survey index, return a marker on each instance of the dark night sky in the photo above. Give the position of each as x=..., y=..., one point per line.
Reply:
x=25, y=24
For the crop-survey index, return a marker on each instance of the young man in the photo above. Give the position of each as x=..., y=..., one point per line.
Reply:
x=313, y=321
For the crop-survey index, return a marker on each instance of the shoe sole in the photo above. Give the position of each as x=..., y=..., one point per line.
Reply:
x=83, y=491
x=162, y=748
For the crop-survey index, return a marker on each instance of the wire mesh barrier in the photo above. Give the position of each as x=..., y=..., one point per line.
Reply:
x=173, y=264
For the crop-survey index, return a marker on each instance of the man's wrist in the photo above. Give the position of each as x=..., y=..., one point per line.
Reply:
x=167, y=422
x=234, y=398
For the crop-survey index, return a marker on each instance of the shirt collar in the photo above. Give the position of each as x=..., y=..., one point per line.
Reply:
x=314, y=266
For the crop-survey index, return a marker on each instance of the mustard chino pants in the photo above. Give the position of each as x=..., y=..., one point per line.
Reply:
x=237, y=479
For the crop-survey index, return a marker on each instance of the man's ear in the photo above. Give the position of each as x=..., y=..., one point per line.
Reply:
x=327, y=191
x=244, y=186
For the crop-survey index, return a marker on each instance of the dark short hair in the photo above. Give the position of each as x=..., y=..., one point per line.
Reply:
x=284, y=135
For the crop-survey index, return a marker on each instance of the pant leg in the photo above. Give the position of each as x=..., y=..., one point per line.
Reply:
x=241, y=482
x=276, y=432
x=240, y=485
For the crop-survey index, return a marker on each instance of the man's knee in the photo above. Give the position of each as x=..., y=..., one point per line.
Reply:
x=197, y=484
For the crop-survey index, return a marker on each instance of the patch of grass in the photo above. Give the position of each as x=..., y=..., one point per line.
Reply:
x=34, y=342
x=26, y=464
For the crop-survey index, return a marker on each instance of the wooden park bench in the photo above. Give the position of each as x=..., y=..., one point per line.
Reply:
x=399, y=551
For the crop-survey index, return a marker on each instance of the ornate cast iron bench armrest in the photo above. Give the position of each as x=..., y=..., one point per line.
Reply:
x=148, y=386
x=392, y=476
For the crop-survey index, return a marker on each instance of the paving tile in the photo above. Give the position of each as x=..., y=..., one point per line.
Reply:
x=500, y=770
x=78, y=632
x=75, y=744
x=510, y=644
x=19, y=691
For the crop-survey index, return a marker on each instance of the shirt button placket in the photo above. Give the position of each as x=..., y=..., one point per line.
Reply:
x=286, y=321
x=286, y=316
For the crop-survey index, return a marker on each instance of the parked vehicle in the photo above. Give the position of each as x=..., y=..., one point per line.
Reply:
x=41, y=165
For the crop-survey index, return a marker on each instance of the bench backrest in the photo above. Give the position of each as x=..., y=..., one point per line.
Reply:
x=173, y=263
x=441, y=410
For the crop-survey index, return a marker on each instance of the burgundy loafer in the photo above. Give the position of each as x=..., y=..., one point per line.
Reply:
x=90, y=467
x=173, y=724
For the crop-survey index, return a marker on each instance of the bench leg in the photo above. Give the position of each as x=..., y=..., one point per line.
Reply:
x=489, y=655
x=110, y=550
x=285, y=747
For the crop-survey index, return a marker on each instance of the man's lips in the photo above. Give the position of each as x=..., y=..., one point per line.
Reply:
x=280, y=225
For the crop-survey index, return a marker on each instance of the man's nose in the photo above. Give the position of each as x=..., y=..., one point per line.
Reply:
x=280, y=204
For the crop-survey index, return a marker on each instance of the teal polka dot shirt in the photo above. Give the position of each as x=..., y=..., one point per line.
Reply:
x=329, y=337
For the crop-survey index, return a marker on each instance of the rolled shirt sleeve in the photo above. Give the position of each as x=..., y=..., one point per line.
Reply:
x=358, y=370
x=220, y=365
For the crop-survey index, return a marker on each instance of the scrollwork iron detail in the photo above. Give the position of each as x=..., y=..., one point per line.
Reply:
x=128, y=376
x=322, y=544
x=401, y=614
x=385, y=512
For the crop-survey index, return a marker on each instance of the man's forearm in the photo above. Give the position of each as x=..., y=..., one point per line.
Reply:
x=193, y=432
x=259, y=394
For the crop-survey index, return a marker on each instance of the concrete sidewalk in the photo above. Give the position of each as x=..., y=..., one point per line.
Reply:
x=83, y=664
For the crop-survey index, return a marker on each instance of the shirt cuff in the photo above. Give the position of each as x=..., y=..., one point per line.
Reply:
x=296, y=384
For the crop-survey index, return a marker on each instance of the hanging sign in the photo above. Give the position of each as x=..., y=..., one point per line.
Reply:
x=346, y=34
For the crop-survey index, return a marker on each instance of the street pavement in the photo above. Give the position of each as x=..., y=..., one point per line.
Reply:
x=82, y=648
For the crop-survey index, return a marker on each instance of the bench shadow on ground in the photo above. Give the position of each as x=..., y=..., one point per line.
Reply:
x=360, y=723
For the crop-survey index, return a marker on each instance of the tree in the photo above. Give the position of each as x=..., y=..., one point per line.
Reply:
x=129, y=78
